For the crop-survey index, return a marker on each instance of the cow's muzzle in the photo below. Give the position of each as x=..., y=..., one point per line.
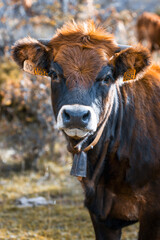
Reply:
x=77, y=121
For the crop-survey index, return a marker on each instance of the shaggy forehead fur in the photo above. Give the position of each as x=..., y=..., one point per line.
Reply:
x=82, y=50
x=85, y=35
x=80, y=66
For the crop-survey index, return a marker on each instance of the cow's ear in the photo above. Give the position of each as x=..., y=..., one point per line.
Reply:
x=34, y=51
x=130, y=62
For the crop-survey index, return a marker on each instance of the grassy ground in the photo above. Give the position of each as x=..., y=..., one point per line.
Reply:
x=67, y=219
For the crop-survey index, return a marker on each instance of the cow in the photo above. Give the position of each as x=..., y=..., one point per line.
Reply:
x=148, y=28
x=106, y=101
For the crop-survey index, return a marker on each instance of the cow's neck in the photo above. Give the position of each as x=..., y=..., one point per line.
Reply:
x=108, y=142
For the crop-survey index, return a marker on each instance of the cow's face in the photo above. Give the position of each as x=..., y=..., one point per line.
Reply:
x=81, y=82
x=84, y=81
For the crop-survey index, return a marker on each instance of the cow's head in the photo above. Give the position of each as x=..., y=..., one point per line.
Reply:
x=83, y=80
x=76, y=59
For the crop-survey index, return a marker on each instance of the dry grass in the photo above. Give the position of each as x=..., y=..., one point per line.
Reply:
x=66, y=220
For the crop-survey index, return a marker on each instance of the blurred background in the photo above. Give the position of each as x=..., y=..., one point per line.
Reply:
x=38, y=197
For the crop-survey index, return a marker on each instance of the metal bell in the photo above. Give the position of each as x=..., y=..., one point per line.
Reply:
x=79, y=166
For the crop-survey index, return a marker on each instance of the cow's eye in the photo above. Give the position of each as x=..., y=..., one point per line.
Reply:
x=53, y=75
x=106, y=79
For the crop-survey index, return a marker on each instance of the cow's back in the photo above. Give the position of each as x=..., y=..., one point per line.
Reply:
x=148, y=28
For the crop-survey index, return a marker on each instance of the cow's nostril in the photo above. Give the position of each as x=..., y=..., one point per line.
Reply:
x=86, y=117
x=66, y=116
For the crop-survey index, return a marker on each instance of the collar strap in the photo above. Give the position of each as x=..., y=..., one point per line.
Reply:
x=78, y=147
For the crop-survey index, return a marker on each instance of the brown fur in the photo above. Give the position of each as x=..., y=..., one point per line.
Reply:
x=85, y=35
x=79, y=66
x=148, y=28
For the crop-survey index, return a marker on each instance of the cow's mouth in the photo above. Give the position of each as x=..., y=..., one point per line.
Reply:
x=76, y=133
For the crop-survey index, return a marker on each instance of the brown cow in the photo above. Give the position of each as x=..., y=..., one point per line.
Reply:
x=148, y=28
x=108, y=106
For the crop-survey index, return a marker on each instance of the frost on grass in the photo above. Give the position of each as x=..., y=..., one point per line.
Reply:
x=33, y=202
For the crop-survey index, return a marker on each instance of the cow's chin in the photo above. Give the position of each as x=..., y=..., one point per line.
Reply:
x=76, y=133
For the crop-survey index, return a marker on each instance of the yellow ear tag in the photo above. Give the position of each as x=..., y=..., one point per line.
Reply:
x=130, y=74
x=31, y=68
